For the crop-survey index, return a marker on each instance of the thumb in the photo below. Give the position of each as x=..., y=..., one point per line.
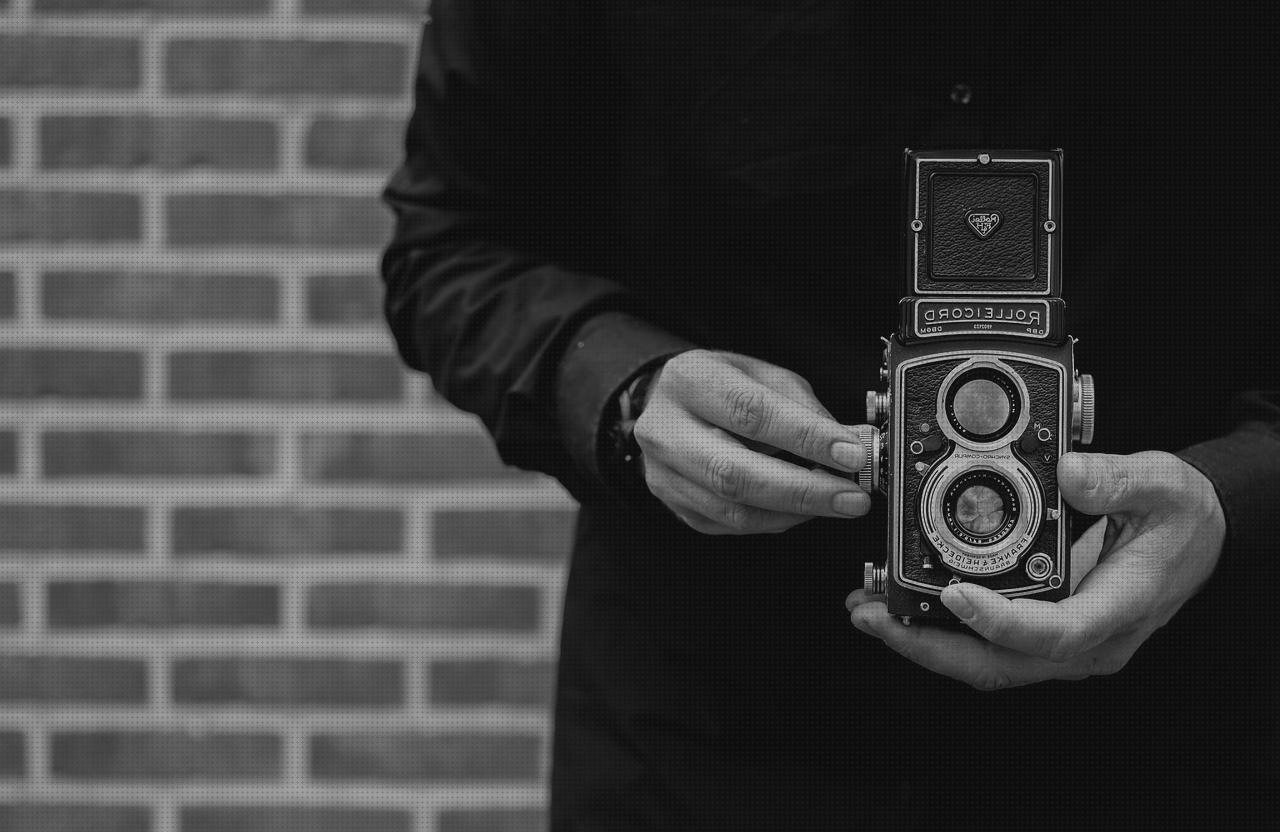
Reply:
x=1110, y=483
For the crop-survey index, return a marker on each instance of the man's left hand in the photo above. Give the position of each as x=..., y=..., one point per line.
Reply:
x=1158, y=545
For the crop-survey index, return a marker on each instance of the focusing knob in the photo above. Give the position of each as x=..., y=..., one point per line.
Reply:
x=873, y=578
x=1086, y=409
x=869, y=473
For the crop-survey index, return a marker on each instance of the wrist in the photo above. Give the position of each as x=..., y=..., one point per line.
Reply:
x=620, y=454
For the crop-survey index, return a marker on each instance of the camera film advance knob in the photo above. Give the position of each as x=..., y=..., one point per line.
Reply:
x=869, y=473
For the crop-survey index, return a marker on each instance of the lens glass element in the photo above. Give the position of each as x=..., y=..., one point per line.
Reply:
x=981, y=406
x=981, y=507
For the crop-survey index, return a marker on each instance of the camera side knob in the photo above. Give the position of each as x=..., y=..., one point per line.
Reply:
x=1082, y=416
x=873, y=578
x=877, y=406
x=869, y=473
x=1086, y=409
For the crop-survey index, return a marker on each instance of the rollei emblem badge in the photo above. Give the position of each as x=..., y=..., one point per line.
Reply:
x=984, y=223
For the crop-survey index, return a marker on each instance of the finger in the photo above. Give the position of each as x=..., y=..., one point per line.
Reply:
x=982, y=664
x=729, y=398
x=724, y=467
x=952, y=653
x=1106, y=483
x=711, y=514
x=1086, y=551
x=859, y=597
x=1057, y=632
x=699, y=523
x=787, y=383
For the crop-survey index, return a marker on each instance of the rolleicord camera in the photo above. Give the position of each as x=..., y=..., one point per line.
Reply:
x=983, y=396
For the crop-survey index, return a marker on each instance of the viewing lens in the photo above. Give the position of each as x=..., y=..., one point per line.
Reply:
x=983, y=404
x=981, y=407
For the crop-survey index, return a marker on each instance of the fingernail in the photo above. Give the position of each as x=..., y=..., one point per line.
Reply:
x=850, y=503
x=958, y=602
x=847, y=454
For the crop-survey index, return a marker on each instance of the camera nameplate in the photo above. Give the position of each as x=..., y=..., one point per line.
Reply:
x=939, y=317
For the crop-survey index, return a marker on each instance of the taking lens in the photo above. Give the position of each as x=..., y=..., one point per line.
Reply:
x=981, y=507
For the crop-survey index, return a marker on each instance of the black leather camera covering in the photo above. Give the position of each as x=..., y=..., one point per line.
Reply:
x=957, y=252
x=922, y=384
x=945, y=254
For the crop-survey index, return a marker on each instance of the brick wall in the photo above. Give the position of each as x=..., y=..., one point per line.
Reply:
x=254, y=576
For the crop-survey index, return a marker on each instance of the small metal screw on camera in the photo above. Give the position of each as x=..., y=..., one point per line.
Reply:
x=1054, y=514
x=1050, y=226
x=917, y=226
x=917, y=447
x=924, y=606
x=984, y=158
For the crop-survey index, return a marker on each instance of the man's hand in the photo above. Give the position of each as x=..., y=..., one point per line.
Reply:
x=710, y=431
x=1159, y=544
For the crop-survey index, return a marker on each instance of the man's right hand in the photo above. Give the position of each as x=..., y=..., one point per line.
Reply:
x=706, y=433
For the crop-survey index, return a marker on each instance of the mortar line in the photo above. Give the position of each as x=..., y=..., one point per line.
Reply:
x=25, y=151
x=34, y=613
x=27, y=297
x=160, y=684
x=155, y=385
x=166, y=815
x=29, y=453
x=39, y=755
x=159, y=542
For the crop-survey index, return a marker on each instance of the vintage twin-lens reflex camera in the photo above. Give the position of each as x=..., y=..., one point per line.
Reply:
x=983, y=396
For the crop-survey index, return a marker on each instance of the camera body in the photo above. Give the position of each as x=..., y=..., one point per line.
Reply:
x=983, y=396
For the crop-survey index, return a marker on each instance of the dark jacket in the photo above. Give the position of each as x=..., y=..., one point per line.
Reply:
x=727, y=176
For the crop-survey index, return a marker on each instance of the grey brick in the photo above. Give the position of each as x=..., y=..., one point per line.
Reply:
x=165, y=755
x=447, y=607
x=446, y=757
x=150, y=298
x=154, y=604
x=283, y=531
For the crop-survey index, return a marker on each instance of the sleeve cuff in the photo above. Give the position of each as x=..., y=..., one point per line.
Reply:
x=606, y=352
x=1244, y=468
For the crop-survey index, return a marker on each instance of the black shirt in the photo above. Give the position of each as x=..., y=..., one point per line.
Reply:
x=589, y=186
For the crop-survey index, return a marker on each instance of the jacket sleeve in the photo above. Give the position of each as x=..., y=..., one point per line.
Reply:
x=1244, y=467
x=480, y=291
